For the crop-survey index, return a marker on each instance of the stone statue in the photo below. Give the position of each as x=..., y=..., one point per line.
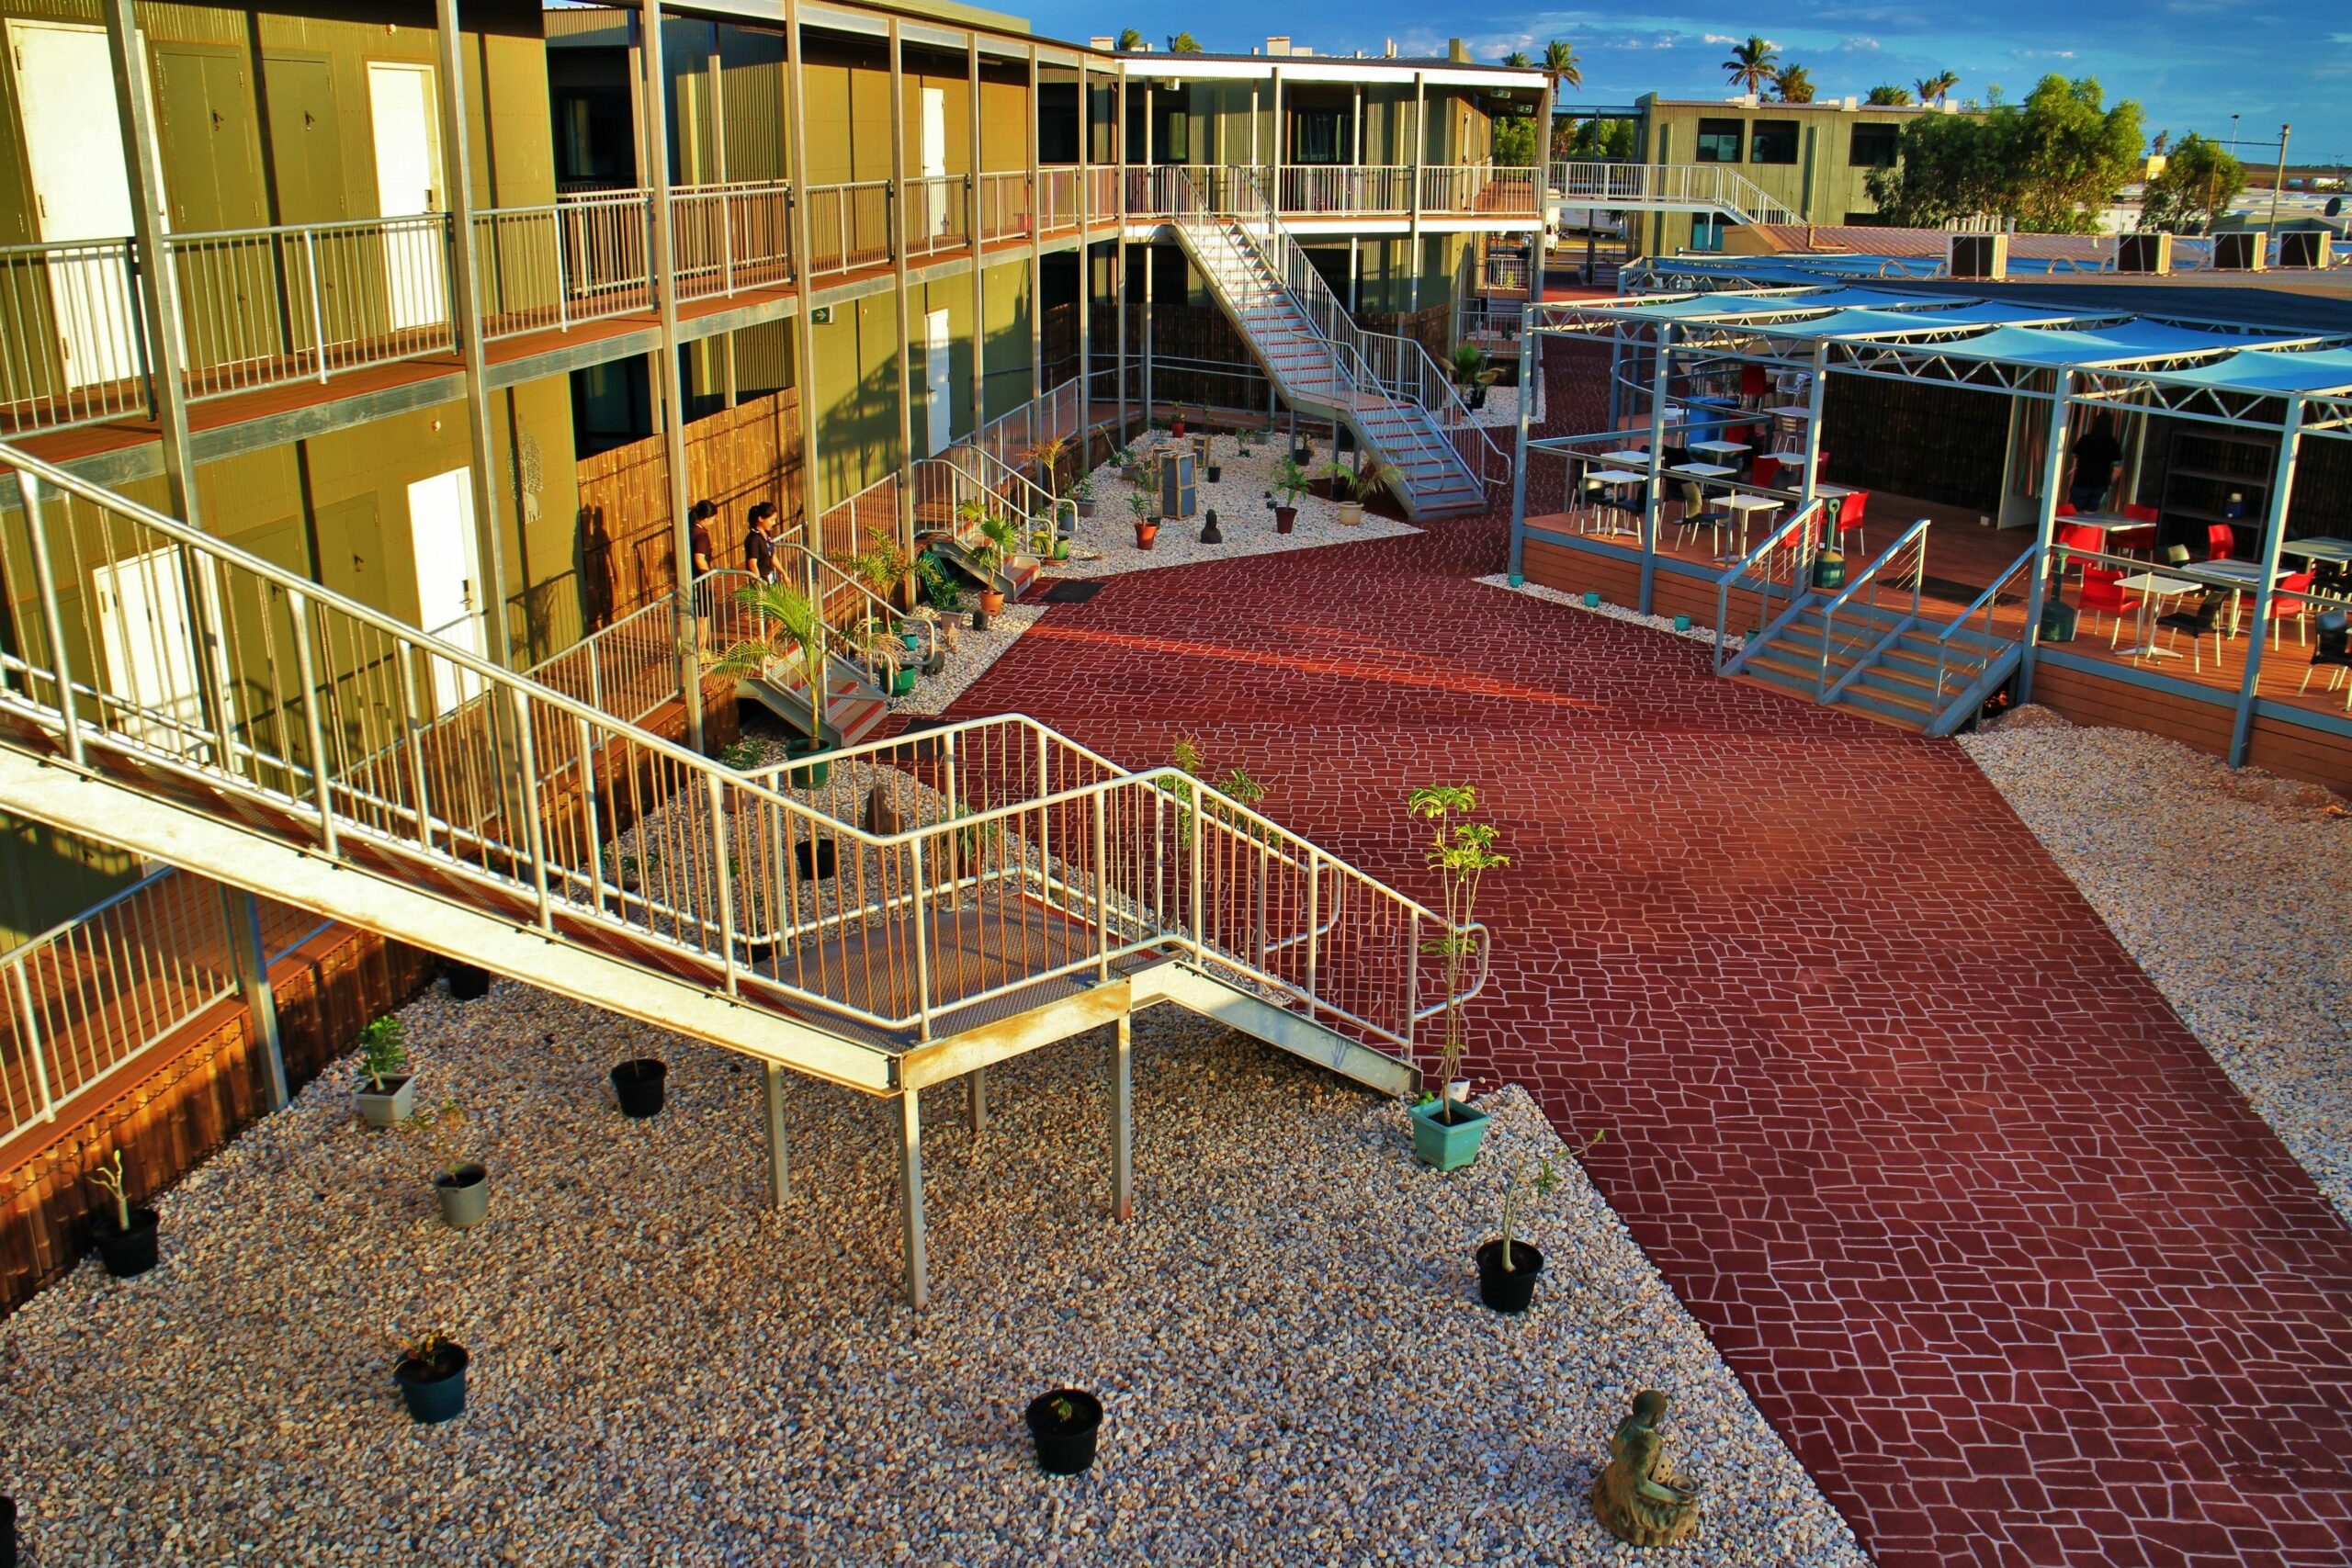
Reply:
x=1638, y=1496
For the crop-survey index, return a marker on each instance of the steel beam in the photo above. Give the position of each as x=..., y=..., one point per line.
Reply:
x=2053, y=467
x=241, y=918
x=2274, y=536
x=910, y=1220
x=779, y=1154
x=1123, y=1174
x=686, y=630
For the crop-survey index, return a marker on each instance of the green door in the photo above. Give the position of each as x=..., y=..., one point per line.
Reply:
x=230, y=289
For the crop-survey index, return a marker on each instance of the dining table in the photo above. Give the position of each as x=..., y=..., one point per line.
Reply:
x=1615, y=479
x=2242, y=577
x=2152, y=586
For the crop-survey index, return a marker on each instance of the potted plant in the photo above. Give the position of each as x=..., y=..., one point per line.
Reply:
x=127, y=1246
x=462, y=1185
x=431, y=1372
x=796, y=633
x=1130, y=469
x=1047, y=456
x=1143, y=502
x=1469, y=365
x=1447, y=1133
x=1290, y=481
x=467, y=982
x=1176, y=425
x=998, y=536
x=1209, y=464
x=387, y=1094
x=1357, y=485
x=1065, y=1424
x=1083, y=494
x=639, y=1084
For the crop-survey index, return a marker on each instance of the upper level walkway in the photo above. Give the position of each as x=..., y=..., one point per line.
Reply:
x=2019, y=1274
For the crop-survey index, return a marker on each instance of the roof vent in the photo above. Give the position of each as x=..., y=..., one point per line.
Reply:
x=2239, y=250
x=1278, y=47
x=1980, y=257
x=2304, y=247
x=2147, y=255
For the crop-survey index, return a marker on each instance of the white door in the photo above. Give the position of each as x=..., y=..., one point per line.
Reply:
x=408, y=184
x=80, y=191
x=448, y=558
x=933, y=148
x=939, y=385
x=148, y=646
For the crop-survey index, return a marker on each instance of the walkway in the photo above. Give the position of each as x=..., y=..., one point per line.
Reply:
x=1992, y=1241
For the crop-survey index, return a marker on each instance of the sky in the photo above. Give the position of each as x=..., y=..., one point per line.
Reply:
x=2191, y=63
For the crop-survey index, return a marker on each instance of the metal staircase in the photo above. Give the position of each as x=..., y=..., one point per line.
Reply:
x=1858, y=648
x=1667, y=188
x=1386, y=390
x=931, y=905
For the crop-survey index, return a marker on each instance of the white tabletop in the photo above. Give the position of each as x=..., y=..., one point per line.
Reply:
x=1827, y=491
x=2105, y=523
x=1791, y=410
x=1615, y=477
x=1628, y=455
x=1725, y=448
x=2157, y=583
x=2246, y=571
x=2319, y=549
x=1703, y=470
x=1752, y=503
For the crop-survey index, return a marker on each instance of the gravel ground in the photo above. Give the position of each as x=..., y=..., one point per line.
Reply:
x=968, y=658
x=1614, y=611
x=1502, y=407
x=1286, y=1338
x=1106, y=542
x=2231, y=889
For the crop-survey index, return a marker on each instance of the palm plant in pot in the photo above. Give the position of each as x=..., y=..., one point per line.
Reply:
x=795, y=635
x=1065, y=1424
x=1145, y=503
x=999, y=536
x=386, y=1092
x=1508, y=1267
x=1290, y=481
x=462, y=1184
x=431, y=1372
x=1469, y=367
x=127, y=1246
x=1047, y=456
x=1446, y=1133
x=1354, y=487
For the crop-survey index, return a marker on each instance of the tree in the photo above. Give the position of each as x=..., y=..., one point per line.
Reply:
x=1130, y=40
x=1792, y=84
x=1585, y=140
x=1518, y=58
x=2200, y=179
x=1183, y=43
x=1888, y=95
x=1560, y=63
x=2156, y=148
x=2050, y=163
x=1752, y=65
x=1515, y=142
x=1936, y=88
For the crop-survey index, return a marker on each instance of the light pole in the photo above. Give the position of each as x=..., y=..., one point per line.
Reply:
x=2279, y=183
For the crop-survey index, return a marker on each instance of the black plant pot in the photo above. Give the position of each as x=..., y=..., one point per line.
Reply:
x=1302, y=453
x=937, y=663
x=639, y=1084
x=1065, y=1447
x=1217, y=473
x=129, y=1254
x=1511, y=1290
x=434, y=1390
x=980, y=620
x=817, y=860
x=468, y=983
x=1478, y=397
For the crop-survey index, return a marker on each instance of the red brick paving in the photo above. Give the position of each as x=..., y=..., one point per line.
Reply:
x=1996, y=1247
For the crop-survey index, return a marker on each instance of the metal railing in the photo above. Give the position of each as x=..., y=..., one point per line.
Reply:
x=1782, y=566
x=937, y=214
x=1346, y=188
x=1057, y=193
x=1668, y=186
x=1869, y=634
x=728, y=237
x=72, y=349
x=849, y=226
x=1960, y=666
x=355, y=738
x=580, y=258
x=1007, y=204
x=1505, y=274
x=1479, y=189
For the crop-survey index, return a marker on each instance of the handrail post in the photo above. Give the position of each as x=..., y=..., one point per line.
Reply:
x=34, y=1052
x=722, y=877
x=297, y=609
x=60, y=662
x=412, y=730
x=318, y=311
x=1101, y=890
x=1314, y=916
x=923, y=936
x=562, y=288
x=532, y=823
x=593, y=836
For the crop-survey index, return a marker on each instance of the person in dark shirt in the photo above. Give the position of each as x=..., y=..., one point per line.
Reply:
x=698, y=540
x=759, y=542
x=2097, y=456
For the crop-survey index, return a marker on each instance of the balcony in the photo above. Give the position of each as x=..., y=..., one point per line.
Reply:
x=273, y=308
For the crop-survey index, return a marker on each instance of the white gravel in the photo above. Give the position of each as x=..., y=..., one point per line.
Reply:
x=1106, y=542
x=969, y=654
x=1502, y=407
x=1286, y=1338
x=2231, y=889
x=1612, y=612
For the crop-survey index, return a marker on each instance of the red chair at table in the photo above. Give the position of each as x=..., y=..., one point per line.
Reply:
x=1850, y=518
x=1768, y=468
x=2140, y=513
x=1752, y=386
x=2297, y=608
x=2221, y=541
x=2081, y=537
x=2103, y=594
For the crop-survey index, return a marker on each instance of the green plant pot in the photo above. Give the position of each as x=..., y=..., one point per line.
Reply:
x=814, y=775
x=904, y=680
x=1448, y=1146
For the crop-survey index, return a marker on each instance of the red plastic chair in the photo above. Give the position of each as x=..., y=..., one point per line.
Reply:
x=2065, y=509
x=2220, y=540
x=1768, y=468
x=2297, y=609
x=2140, y=513
x=2083, y=537
x=1850, y=518
x=2103, y=595
x=2133, y=541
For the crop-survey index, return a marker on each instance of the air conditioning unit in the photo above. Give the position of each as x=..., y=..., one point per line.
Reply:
x=1980, y=257
x=2239, y=251
x=2147, y=253
x=2305, y=248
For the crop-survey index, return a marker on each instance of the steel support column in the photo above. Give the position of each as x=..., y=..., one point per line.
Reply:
x=974, y=206
x=1036, y=247
x=975, y=1099
x=1653, y=504
x=910, y=1220
x=686, y=628
x=779, y=1152
x=1123, y=1172
x=1150, y=166
x=2274, y=536
x=804, y=340
x=2053, y=467
x=1413, y=239
x=1519, y=458
x=1119, y=249
x=905, y=341
x=1085, y=266
x=241, y=916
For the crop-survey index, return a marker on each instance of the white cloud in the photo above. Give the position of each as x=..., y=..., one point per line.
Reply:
x=1859, y=46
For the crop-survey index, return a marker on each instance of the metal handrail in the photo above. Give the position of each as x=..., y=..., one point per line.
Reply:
x=1801, y=523
x=520, y=799
x=1869, y=577
x=1987, y=601
x=1720, y=185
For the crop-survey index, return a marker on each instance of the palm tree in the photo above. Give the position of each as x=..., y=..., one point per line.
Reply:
x=1183, y=43
x=1518, y=57
x=1936, y=88
x=1791, y=83
x=1560, y=63
x=1129, y=40
x=1888, y=95
x=1752, y=63
x=795, y=631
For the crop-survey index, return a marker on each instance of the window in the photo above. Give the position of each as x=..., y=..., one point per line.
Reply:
x=1719, y=141
x=1874, y=146
x=1317, y=134
x=1707, y=232
x=1773, y=141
